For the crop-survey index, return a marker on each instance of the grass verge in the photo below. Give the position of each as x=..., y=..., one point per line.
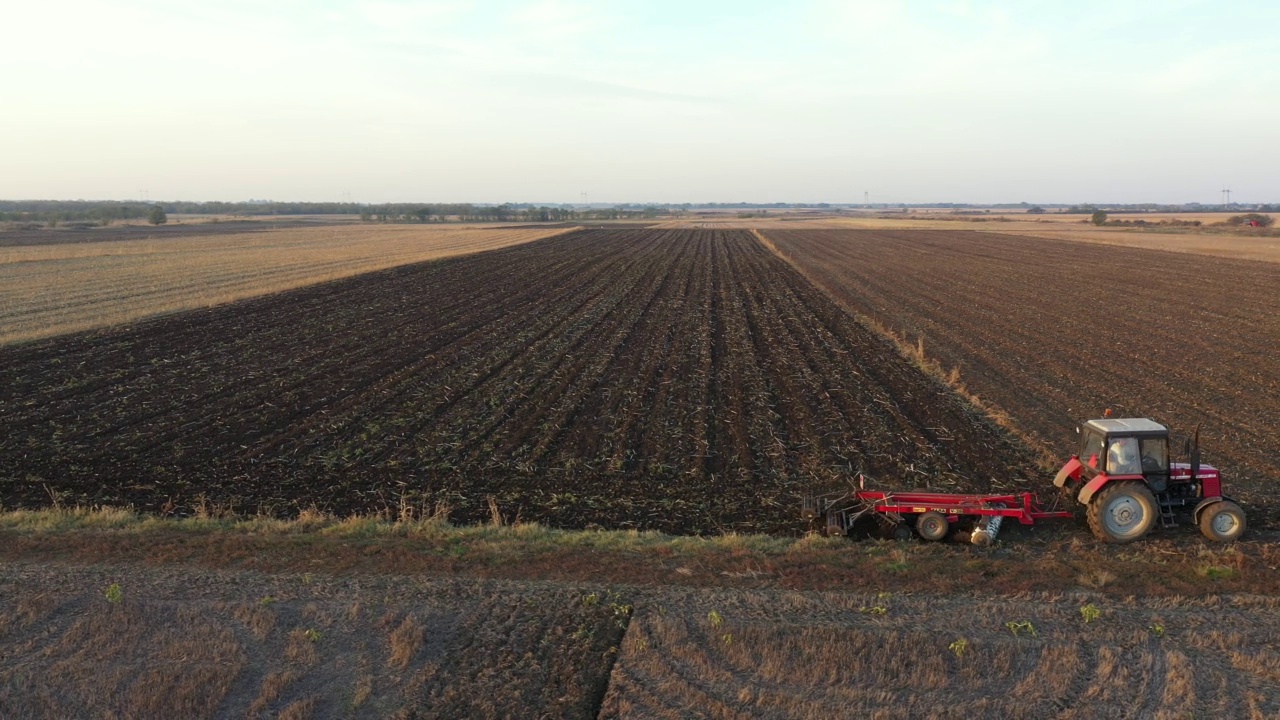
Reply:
x=1053, y=558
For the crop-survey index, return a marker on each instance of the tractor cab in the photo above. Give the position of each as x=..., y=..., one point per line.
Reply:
x=1124, y=476
x=1135, y=448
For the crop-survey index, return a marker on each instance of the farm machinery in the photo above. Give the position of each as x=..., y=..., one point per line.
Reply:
x=1122, y=475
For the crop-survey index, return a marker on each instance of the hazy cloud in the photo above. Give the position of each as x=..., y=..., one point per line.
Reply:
x=661, y=100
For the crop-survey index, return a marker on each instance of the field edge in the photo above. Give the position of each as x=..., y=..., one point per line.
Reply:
x=1053, y=559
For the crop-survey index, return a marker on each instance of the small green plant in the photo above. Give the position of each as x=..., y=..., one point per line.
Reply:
x=897, y=566
x=874, y=610
x=1020, y=626
x=267, y=601
x=114, y=594
x=959, y=646
x=1090, y=613
x=312, y=634
x=727, y=638
x=1157, y=629
x=591, y=600
x=1217, y=572
x=715, y=618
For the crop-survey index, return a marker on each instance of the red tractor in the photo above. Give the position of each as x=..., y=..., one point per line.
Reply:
x=1124, y=477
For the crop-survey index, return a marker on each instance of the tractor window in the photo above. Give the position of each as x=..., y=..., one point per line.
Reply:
x=1155, y=455
x=1091, y=451
x=1122, y=457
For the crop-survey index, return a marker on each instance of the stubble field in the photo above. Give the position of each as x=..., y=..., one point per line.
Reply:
x=182, y=643
x=230, y=642
x=92, y=279
x=872, y=654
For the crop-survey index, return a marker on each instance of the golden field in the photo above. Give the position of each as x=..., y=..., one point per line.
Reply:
x=48, y=290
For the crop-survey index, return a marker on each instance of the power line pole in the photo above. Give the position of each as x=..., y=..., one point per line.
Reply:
x=1226, y=196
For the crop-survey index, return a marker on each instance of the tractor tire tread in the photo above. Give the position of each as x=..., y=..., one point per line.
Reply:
x=1206, y=521
x=1094, y=511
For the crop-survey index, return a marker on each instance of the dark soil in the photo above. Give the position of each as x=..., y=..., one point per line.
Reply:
x=1054, y=332
x=687, y=381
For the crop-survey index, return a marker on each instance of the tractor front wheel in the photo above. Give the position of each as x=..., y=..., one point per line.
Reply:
x=1222, y=521
x=1122, y=512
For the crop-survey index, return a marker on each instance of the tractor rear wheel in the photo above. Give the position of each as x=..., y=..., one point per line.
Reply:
x=1222, y=521
x=932, y=526
x=1122, y=512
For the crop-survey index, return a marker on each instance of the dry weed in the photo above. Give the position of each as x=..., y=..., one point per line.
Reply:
x=272, y=686
x=258, y=618
x=1097, y=579
x=301, y=647
x=364, y=688
x=405, y=641
x=298, y=710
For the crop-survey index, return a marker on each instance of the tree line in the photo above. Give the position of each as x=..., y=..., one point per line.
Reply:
x=1088, y=209
x=108, y=211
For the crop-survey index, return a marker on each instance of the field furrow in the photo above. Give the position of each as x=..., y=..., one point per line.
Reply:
x=683, y=380
x=1054, y=332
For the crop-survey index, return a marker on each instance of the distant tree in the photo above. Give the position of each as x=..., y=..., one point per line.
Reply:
x=1098, y=218
x=1035, y=210
x=1249, y=218
x=157, y=216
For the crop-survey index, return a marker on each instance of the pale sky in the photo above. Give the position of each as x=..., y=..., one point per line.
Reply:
x=655, y=101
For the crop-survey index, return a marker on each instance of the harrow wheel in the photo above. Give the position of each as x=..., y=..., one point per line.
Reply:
x=1122, y=512
x=932, y=526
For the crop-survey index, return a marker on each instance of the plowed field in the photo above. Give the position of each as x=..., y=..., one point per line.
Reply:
x=50, y=289
x=679, y=380
x=1054, y=332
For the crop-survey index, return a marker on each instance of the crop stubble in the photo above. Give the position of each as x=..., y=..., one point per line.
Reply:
x=56, y=288
x=178, y=643
x=860, y=654
x=685, y=381
x=1054, y=331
